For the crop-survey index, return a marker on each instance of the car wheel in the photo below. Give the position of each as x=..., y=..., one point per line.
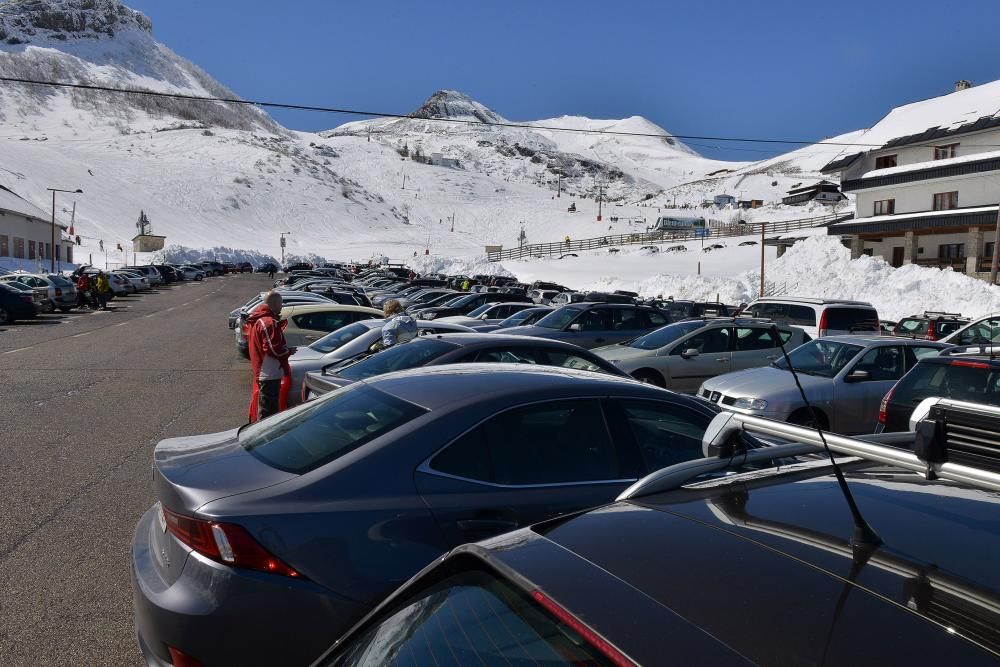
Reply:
x=49, y=307
x=5, y=317
x=650, y=377
x=65, y=309
x=809, y=419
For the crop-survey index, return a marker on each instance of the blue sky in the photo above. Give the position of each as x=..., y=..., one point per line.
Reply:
x=765, y=69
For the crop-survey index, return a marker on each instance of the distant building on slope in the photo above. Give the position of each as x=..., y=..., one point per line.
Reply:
x=824, y=192
x=750, y=203
x=438, y=160
x=722, y=201
x=26, y=231
x=927, y=190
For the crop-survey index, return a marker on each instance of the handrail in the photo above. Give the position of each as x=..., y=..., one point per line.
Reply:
x=638, y=238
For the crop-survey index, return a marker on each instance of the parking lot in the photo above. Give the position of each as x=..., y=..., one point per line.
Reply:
x=84, y=398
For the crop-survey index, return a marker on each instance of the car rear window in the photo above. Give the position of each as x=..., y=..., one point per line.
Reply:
x=332, y=341
x=398, y=358
x=912, y=327
x=320, y=431
x=854, y=320
x=964, y=382
x=468, y=616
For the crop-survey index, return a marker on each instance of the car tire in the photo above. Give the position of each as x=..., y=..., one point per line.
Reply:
x=65, y=309
x=6, y=317
x=49, y=307
x=650, y=377
x=803, y=417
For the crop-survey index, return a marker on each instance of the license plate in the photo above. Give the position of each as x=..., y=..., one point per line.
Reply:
x=159, y=517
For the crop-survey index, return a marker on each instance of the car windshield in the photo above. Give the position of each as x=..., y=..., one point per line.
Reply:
x=559, y=319
x=519, y=317
x=824, y=357
x=450, y=302
x=317, y=432
x=665, y=335
x=963, y=381
x=59, y=281
x=479, y=311
x=397, y=358
x=334, y=340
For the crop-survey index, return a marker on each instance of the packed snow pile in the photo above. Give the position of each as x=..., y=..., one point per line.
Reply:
x=426, y=265
x=819, y=266
x=177, y=254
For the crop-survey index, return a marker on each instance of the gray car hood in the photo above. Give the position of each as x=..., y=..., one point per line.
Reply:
x=764, y=382
x=531, y=330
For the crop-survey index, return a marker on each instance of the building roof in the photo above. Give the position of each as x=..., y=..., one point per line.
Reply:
x=14, y=203
x=811, y=186
x=974, y=163
x=977, y=216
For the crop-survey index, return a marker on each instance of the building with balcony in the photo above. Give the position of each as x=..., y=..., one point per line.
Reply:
x=26, y=231
x=927, y=189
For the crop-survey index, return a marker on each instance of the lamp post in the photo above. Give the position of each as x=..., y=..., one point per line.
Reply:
x=55, y=249
x=283, y=235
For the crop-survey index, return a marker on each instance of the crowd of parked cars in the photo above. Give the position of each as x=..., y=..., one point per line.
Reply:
x=544, y=476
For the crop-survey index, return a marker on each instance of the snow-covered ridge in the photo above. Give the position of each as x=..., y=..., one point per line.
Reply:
x=456, y=105
x=30, y=21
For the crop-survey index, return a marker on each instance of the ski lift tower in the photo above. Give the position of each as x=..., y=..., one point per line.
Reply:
x=145, y=240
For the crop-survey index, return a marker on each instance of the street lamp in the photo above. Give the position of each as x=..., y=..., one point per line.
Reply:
x=283, y=235
x=55, y=249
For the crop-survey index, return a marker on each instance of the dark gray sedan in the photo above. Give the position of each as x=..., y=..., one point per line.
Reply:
x=592, y=325
x=267, y=542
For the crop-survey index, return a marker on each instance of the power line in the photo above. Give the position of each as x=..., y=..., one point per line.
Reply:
x=379, y=114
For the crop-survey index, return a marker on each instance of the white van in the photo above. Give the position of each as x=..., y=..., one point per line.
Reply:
x=818, y=317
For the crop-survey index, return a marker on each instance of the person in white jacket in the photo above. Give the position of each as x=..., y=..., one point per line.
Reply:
x=399, y=327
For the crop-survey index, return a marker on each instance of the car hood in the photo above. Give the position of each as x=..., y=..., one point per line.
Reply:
x=191, y=471
x=763, y=382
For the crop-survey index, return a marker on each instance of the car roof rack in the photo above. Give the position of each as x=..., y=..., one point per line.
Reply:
x=990, y=351
x=940, y=313
x=932, y=442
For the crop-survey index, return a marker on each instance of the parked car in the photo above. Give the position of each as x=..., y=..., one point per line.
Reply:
x=683, y=310
x=58, y=293
x=307, y=323
x=465, y=304
x=683, y=355
x=169, y=273
x=659, y=566
x=542, y=297
x=887, y=327
x=930, y=325
x=521, y=318
x=348, y=344
x=457, y=348
x=984, y=330
x=591, y=325
x=192, y=272
x=970, y=374
x=488, y=313
x=118, y=284
x=136, y=282
x=298, y=266
x=149, y=272
x=16, y=304
x=267, y=267
x=818, y=317
x=844, y=377
x=283, y=514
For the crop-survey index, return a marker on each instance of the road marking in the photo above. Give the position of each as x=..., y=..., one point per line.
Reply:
x=121, y=324
x=85, y=333
x=20, y=349
x=169, y=309
x=150, y=315
x=186, y=304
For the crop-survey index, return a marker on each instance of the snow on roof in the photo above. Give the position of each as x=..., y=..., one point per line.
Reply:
x=946, y=112
x=922, y=214
x=10, y=201
x=917, y=166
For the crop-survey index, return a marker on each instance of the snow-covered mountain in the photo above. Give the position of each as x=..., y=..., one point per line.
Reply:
x=213, y=174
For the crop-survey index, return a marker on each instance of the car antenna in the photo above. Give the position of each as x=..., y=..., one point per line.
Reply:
x=864, y=535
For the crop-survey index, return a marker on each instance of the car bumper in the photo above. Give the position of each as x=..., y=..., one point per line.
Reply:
x=223, y=616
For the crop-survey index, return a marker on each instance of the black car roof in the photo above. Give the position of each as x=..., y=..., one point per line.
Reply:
x=767, y=566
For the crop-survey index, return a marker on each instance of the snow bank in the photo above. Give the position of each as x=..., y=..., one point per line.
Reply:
x=177, y=254
x=818, y=266
x=428, y=264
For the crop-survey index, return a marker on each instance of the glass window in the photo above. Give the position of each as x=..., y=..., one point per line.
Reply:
x=507, y=355
x=626, y=319
x=822, y=357
x=595, y=319
x=665, y=335
x=756, y=338
x=341, y=336
x=885, y=161
x=944, y=201
x=707, y=342
x=564, y=359
x=469, y=617
x=656, y=319
x=803, y=316
x=882, y=363
x=987, y=331
x=884, y=207
x=479, y=311
x=413, y=354
x=317, y=432
x=560, y=318
x=854, y=320
x=666, y=434
x=951, y=251
x=963, y=383
x=945, y=152
x=322, y=321
x=546, y=443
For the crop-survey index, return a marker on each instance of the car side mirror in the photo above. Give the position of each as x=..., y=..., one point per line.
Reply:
x=576, y=326
x=858, y=376
x=690, y=352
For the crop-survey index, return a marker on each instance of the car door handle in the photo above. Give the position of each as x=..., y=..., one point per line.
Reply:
x=722, y=359
x=486, y=525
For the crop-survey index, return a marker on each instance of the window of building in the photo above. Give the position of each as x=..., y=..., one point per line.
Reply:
x=951, y=251
x=4, y=245
x=18, y=248
x=945, y=152
x=69, y=254
x=31, y=249
x=48, y=251
x=987, y=249
x=885, y=207
x=944, y=201
x=885, y=161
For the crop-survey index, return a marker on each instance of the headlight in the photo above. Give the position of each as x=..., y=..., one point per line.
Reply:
x=750, y=404
x=430, y=316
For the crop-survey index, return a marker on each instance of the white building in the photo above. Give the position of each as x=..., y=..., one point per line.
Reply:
x=927, y=189
x=26, y=231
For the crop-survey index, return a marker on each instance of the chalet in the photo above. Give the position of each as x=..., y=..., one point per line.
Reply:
x=438, y=159
x=722, y=201
x=750, y=203
x=26, y=231
x=927, y=189
x=824, y=192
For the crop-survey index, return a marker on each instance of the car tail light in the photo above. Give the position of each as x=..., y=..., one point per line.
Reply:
x=822, y=324
x=592, y=638
x=27, y=299
x=969, y=364
x=884, y=406
x=58, y=291
x=225, y=543
x=179, y=658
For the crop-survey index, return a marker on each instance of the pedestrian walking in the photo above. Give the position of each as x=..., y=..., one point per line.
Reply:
x=270, y=271
x=101, y=289
x=269, y=353
x=399, y=327
x=82, y=290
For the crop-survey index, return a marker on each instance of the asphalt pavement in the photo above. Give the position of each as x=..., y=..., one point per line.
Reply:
x=84, y=397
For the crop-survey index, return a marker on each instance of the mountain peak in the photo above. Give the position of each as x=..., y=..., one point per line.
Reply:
x=453, y=104
x=27, y=21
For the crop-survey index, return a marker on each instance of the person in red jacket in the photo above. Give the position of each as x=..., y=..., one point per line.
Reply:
x=268, y=356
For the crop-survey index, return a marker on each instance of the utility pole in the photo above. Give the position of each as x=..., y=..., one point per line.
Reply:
x=404, y=180
x=996, y=251
x=55, y=249
x=452, y=221
x=558, y=185
x=762, y=226
x=600, y=198
x=283, y=234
